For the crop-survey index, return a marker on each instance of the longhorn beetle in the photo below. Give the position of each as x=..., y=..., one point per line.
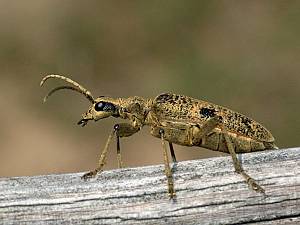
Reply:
x=176, y=119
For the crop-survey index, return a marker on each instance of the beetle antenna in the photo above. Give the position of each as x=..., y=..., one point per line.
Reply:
x=56, y=89
x=77, y=87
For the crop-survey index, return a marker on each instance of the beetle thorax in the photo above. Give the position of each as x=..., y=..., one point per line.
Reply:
x=134, y=109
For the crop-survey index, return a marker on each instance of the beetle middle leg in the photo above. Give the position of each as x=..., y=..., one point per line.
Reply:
x=120, y=130
x=168, y=170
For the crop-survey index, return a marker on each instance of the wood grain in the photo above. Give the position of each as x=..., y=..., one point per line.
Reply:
x=208, y=192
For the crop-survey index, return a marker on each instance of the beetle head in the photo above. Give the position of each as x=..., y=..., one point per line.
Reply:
x=103, y=107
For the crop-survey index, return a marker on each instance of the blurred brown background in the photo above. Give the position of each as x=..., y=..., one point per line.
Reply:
x=241, y=54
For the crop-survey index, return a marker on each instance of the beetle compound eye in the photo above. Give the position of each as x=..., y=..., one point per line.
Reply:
x=100, y=106
x=105, y=106
x=109, y=107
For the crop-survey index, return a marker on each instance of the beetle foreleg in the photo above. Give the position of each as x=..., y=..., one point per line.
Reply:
x=123, y=130
x=120, y=130
x=102, y=159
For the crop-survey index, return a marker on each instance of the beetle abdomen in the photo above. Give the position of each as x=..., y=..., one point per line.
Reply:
x=216, y=141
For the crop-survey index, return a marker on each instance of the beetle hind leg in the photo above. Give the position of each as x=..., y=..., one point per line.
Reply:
x=237, y=165
x=200, y=133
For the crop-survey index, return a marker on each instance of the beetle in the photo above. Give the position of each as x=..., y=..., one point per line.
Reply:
x=175, y=119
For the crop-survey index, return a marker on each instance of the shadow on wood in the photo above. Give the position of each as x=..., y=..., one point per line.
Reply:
x=208, y=192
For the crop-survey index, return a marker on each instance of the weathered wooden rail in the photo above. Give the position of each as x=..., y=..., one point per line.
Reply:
x=208, y=192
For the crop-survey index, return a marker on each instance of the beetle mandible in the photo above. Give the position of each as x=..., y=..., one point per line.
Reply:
x=175, y=119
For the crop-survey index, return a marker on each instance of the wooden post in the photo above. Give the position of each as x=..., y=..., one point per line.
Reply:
x=208, y=192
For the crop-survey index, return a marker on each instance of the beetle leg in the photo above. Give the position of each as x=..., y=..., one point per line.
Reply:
x=237, y=165
x=123, y=130
x=120, y=130
x=204, y=130
x=172, y=152
x=168, y=171
x=119, y=158
x=102, y=159
x=207, y=127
